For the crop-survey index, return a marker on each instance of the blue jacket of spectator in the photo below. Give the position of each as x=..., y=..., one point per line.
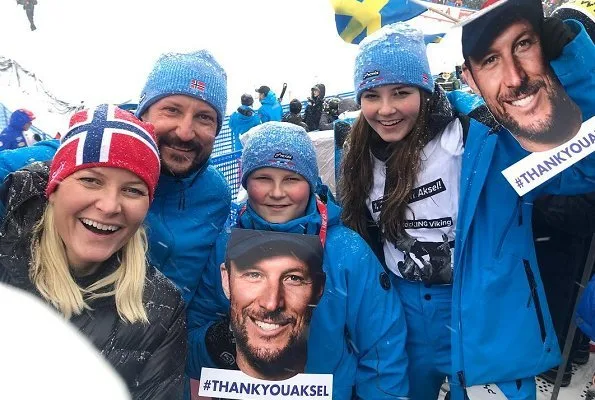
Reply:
x=241, y=121
x=270, y=109
x=12, y=160
x=358, y=330
x=502, y=329
x=12, y=136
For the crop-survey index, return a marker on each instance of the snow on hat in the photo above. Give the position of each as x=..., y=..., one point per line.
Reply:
x=107, y=136
x=395, y=54
x=196, y=75
x=482, y=27
x=280, y=145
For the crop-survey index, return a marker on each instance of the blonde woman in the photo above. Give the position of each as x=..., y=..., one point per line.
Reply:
x=73, y=235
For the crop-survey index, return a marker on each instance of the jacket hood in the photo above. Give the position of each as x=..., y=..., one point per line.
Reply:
x=271, y=98
x=321, y=88
x=246, y=112
x=18, y=119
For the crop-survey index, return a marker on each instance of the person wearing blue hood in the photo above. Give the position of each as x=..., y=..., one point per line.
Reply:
x=12, y=136
x=184, y=98
x=270, y=109
x=243, y=119
x=357, y=332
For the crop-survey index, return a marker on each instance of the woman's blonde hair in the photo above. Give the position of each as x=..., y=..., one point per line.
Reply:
x=50, y=273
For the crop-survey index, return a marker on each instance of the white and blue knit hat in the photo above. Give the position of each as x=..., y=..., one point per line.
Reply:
x=395, y=54
x=280, y=145
x=196, y=75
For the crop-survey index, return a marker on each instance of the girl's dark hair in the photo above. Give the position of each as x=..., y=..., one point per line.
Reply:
x=402, y=168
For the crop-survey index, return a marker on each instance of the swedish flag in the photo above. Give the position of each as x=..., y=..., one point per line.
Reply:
x=356, y=19
x=434, y=38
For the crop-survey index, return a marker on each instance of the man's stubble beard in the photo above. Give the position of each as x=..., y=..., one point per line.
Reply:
x=565, y=115
x=273, y=365
x=200, y=158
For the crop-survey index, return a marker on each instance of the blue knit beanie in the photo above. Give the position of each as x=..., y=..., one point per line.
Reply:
x=280, y=145
x=395, y=54
x=196, y=75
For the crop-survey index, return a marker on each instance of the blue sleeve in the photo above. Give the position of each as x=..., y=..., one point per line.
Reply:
x=207, y=306
x=264, y=116
x=232, y=122
x=576, y=69
x=577, y=179
x=12, y=160
x=586, y=311
x=376, y=324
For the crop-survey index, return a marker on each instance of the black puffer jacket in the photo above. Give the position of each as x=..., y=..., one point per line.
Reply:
x=150, y=357
x=314, y=108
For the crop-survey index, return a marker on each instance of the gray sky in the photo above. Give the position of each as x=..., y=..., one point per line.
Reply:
x=102, y=50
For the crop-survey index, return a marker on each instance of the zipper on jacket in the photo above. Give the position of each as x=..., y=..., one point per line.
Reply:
x=515, y=214
x=534, y=297
x=520, y=210
x=458, y=273
x=461, y=376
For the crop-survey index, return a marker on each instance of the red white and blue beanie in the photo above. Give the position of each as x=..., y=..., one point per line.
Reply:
x=395, y=54
x=195, y=74
x=107, y=136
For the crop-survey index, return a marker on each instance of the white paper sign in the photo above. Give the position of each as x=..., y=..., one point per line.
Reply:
x=488, y=391
x=228, y=384
x=537, y=168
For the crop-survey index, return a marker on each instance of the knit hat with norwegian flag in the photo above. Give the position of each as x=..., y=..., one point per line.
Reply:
x=107, y=136
x=196, y=75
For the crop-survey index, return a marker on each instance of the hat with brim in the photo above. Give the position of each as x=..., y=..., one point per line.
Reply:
x=482, y=27
x=256, y=245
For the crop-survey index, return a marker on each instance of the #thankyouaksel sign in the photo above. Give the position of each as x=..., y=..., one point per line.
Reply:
x=539, y=167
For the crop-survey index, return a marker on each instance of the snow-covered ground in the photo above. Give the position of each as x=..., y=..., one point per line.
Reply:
x=581, y=379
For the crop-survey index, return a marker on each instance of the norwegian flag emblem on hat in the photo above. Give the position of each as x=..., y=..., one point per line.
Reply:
x=198, y=85
x=98, y=132
x=107, y=136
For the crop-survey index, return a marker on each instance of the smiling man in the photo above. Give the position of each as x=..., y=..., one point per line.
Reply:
x=506, y=65
x=273, y=280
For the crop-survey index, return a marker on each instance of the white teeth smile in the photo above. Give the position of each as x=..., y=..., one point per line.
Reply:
x=265, y=326
x=523, y=102
x=390, y=123
x=97, y=225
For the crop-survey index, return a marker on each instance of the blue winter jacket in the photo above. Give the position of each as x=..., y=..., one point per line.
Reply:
x=183, y=221
x=586, y=310
x=240, y=122
x=270, y=109
x=502, y=327
x=12, y=136
x=357, y=331
x=12, y=160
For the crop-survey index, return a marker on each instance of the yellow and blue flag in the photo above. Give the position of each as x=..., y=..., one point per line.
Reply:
x=433, y=38
x=357, y=19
